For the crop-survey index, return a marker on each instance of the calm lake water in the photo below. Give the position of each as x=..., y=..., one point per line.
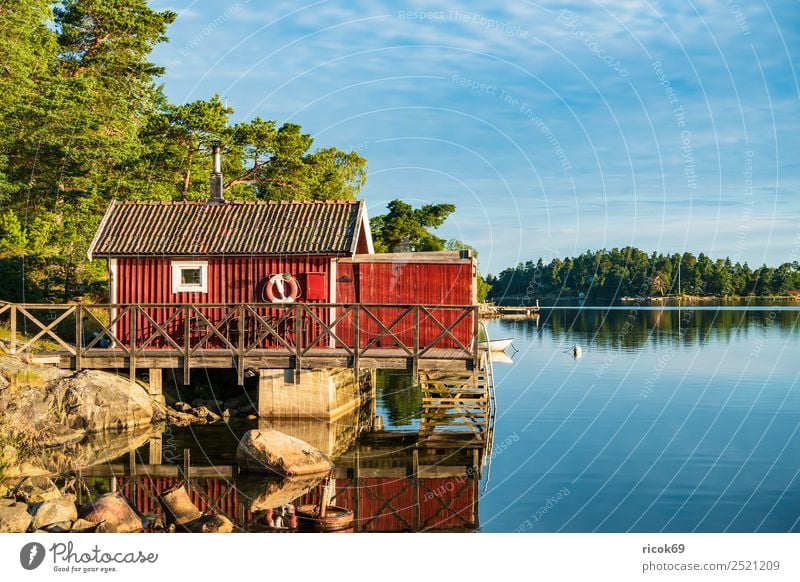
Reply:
x=674, y=420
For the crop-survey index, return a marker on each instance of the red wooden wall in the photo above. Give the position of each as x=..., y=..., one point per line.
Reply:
x=385, y=504
x=231, y=280
x=234, y=280
x=423, y=283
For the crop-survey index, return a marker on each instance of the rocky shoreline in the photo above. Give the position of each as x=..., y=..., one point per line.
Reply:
x=85, y=414
x=39, y=506
x=55, y=422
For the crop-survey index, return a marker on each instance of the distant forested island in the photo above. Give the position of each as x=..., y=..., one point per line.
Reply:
x=631, y=272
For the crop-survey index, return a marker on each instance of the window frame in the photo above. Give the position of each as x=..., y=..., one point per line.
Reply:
x=177, y=276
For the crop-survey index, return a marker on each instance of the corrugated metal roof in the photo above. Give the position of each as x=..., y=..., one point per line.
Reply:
x=232, y=228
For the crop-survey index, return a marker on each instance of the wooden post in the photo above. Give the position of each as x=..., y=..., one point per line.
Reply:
x=13, y=323
x=240, y=363
x=155, y=385
x=132, y=473
x=357, y=490
x=187, y=461
x=415, y=481
x=415, y=361
x=356, y=335
x=298, y=340
x=155, y=450
x=325, y=497
x=475, y=335
x=187, y=336
x=78, y=336
x=132, y=352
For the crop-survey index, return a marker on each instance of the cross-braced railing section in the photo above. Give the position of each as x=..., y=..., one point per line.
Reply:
x=136, y=335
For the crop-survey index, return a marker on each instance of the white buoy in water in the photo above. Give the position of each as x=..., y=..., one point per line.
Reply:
x=575, y=351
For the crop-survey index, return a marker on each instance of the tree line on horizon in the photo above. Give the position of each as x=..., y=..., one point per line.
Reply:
x=631, y=272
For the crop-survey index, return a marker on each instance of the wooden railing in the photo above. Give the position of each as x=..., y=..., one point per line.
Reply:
x=299, y=330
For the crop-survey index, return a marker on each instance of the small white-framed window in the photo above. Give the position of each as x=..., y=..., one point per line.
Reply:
x=190, y=276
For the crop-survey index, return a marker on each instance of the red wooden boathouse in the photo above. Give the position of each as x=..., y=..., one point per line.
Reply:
x=297, y=276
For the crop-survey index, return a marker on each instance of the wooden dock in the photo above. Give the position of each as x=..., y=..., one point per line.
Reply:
x=245, y=336
x=490, y=310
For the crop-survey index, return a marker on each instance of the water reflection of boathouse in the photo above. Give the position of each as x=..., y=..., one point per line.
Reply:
x=392, y=480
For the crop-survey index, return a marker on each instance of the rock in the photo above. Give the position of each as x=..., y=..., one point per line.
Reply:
x=251, y=417
x=182, y=407
x=113, y=514
x=178, y=506
x=246, y=409
x=6, y=502
x=60, y=527
x=213, y=405
x=12, y=365
x=240, y=401
x=206, y=414
x=95, y=401
x=183, y=418
x=84, y=526
x=14, y=518
x=26, y=469
x=270, y=451
x=212, y=524
x=55, y=513
x=97, y=448
x=226, y=414
x=37, y=490
x=261, y=493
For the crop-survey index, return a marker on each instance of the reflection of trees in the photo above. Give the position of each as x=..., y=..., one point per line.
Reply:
x=633, y=329
x=399, y=395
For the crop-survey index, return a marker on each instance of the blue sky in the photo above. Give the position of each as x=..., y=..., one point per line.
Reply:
x=555, y=127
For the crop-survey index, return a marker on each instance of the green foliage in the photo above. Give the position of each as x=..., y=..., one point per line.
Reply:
x=483, y=286
x=12, y=237
x=83, y=122
x=279, y=165
x=193, y=128
x=629, y=272
x=405, y=229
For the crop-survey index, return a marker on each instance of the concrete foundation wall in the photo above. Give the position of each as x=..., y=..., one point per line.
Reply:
x=324, y=394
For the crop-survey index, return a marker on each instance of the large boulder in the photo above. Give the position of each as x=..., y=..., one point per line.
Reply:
x=260, y=493
x=272, y=452
x=58, y=511
x=113, y=514
x=97, y=448
x=14, y=518
x=95, y=401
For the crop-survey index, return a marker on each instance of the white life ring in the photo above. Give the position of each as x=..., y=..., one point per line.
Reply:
x=282, y=288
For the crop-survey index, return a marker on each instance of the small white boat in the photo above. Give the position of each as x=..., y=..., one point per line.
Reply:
x=498, y=345
x=500, y=358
